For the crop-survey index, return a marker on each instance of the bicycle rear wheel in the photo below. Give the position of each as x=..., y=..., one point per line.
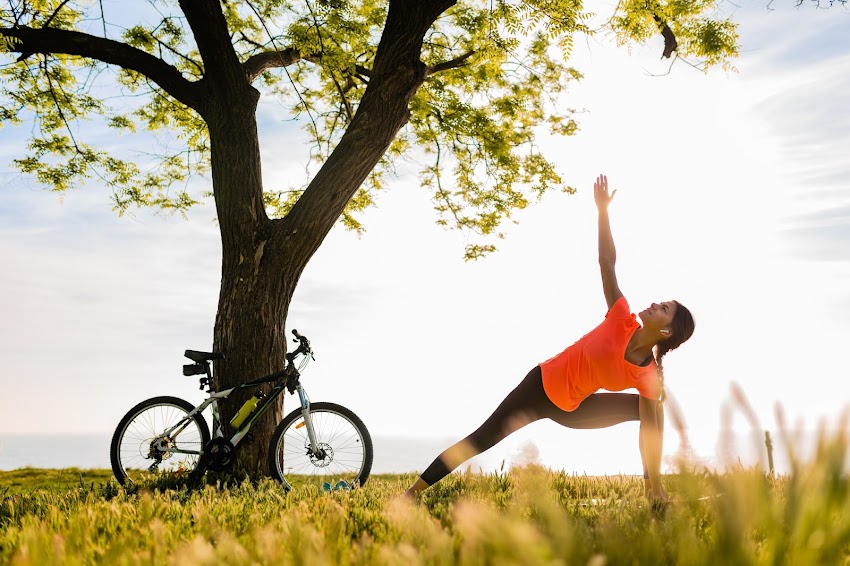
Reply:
x=345, y=444
x=140, y=450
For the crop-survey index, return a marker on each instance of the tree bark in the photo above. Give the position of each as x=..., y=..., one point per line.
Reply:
x=256, y=286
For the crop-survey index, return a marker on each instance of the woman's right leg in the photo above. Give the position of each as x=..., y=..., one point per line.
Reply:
x=518, y=409
x=601, y=410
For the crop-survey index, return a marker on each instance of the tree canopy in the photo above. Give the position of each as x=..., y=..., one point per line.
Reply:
x=495, y=72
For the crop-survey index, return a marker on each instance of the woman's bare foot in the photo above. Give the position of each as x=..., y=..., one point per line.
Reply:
x=413, y=490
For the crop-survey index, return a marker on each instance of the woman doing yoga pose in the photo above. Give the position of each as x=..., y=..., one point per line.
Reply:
x=618, y=354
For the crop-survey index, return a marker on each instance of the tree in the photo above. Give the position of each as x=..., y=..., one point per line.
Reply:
x=466, y=83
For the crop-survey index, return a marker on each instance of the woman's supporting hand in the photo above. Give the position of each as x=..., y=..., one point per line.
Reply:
x=654, y=492
x=656, y=496
x=600, y=193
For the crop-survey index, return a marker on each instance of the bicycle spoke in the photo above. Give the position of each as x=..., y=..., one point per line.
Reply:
x=143, y=445
x=341, y=446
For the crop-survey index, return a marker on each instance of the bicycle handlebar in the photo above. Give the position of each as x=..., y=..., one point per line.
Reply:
x=303, y=344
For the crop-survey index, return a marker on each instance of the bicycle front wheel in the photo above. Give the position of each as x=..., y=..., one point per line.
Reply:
x=142, y=450
x=342, y=459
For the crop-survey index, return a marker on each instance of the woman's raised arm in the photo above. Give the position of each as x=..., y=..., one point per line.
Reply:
x=607, y=251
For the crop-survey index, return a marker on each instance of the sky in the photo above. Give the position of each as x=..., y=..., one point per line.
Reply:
x=733, y=198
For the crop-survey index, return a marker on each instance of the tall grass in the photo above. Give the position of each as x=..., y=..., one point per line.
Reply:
x=528, y=515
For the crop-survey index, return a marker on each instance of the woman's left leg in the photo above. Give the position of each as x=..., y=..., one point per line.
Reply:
x=518, y=409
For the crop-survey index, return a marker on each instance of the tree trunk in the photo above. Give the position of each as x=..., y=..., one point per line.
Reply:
x=263, y=259
x=256, y=283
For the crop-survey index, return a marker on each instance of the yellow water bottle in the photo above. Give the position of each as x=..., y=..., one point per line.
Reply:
x=243, y=413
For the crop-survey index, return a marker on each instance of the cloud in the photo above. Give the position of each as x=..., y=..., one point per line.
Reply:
x=826, y=239
x=808, y=35
x=810, y=126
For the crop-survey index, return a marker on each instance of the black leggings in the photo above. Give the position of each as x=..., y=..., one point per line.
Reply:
x=524, y=405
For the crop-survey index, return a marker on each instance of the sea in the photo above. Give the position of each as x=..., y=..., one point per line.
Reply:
x=590, y=453
x=391, y=454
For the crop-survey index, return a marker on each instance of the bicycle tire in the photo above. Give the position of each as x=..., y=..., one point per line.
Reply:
x=338, y=429
x=138, y=448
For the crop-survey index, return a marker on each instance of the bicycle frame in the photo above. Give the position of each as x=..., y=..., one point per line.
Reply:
x=289, y=375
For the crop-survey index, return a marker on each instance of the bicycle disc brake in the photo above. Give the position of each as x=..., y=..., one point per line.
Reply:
x=323, y=456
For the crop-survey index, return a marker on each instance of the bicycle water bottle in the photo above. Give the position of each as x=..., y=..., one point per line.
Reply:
x=248, y=408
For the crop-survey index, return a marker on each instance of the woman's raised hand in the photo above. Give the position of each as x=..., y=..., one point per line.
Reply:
x=600, y=193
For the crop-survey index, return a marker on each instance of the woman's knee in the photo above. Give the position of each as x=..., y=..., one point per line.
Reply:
x=496, y=430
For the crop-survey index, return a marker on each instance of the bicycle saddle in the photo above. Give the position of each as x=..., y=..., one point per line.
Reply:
x=203, y=356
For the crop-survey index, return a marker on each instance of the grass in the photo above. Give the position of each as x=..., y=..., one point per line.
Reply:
x=26, y=480
x=527, y=516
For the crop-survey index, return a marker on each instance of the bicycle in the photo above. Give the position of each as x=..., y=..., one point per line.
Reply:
x=318, y=443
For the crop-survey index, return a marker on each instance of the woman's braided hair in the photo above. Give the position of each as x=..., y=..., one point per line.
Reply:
x=681, y=329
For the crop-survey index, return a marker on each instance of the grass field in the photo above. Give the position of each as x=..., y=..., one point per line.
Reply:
x=525, y=516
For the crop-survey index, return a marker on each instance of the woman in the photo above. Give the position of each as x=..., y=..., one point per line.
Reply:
x=618, y=354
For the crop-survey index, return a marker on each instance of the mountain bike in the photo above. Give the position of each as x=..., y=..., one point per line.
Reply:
x=320, y=444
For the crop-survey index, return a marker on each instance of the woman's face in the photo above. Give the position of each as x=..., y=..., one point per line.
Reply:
x=658, y=315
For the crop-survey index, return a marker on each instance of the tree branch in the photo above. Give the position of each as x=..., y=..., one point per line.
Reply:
x=348, y=110
x=440, y=190
x=209, y=29
x=256, y=64
x=53, y=15
x=59, y=41
x=163, y=45
x=294, y=86
x=670, y=43
x=43, y=64
x=451, y=64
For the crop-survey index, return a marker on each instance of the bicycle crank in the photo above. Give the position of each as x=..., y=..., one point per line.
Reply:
x=219, y=454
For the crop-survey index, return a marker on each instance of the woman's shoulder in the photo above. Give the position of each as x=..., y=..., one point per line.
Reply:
x=620, y=309
x=648, y=380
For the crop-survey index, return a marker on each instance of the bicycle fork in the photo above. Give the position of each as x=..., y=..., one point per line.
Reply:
x=308, y=422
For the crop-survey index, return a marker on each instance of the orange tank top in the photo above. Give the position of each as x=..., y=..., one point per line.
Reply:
x=597, y=361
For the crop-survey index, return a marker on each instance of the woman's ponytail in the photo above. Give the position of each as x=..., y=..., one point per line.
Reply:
x=681, y=328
